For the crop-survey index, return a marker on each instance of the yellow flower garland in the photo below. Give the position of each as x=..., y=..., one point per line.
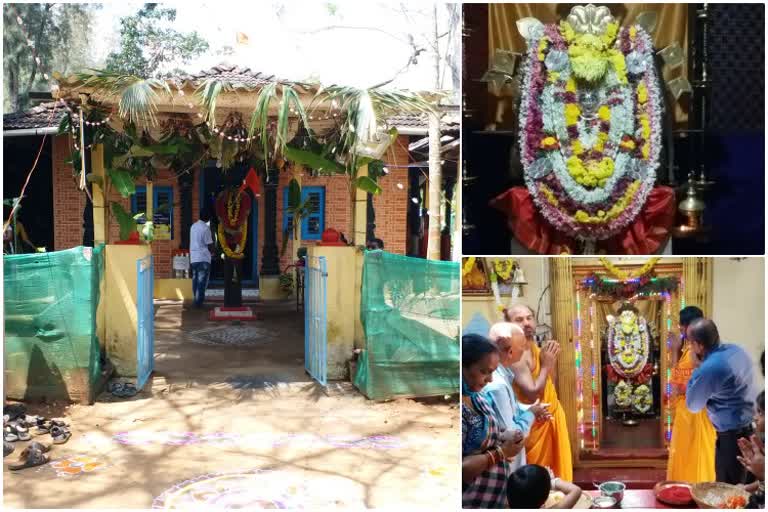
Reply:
x=229, y=253
x=468, y=264
x=503, y=268
x=626, y=275
x=233, y=204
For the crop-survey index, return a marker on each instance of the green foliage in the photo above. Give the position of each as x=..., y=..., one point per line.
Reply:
x=296, y=207
x=126, y=221
x=57, y=32
x=148, y=45
x=122, y=180
x=313, y=160
x=286, y=281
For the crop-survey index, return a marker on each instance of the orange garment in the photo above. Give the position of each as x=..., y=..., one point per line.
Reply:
x=548, y=443
x=692, y=448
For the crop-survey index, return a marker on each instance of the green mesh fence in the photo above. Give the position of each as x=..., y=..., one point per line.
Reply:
x=51, y=348
x=410, y=313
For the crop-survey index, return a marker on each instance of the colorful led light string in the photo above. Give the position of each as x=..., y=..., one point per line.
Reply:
x=579, y=373
x=594, y=372
x=668, y=300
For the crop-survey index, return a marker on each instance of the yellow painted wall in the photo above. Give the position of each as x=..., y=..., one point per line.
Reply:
x=359, y=333
x=173, y=289
x=341, y=305
x=120, y=305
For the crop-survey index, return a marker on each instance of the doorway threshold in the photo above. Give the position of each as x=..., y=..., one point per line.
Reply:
x=217, y=294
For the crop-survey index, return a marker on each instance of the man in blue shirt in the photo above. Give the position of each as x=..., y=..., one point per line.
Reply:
x=724, y=384
x=509, y=338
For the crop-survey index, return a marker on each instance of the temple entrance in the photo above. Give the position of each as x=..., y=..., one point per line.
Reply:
x=629, y=359
x=623, y=333
x=212, y=181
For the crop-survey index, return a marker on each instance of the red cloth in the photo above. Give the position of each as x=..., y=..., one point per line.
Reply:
x=252, y=181
x=644, y=236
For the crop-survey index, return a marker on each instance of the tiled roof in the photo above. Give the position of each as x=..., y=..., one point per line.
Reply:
x=234, y=75
x=40, y=116
x=449, y=121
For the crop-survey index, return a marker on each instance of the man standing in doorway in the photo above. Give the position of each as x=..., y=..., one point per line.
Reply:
x=548, y=443
x=724, y=384
x=200, y=251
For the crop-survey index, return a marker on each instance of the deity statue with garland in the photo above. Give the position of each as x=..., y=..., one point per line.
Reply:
x=630, y=371
x=590, y=139
x=233, y=206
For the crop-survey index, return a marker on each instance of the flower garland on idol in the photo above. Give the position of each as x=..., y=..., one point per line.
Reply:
x=590, y=118
x=628, y=344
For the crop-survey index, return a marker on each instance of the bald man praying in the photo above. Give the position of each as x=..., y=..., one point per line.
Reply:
x=510, y=340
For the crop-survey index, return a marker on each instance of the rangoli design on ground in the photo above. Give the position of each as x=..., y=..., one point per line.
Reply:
x=77, y=465
x=236, y=335
x=144, y=437
x=250, y=489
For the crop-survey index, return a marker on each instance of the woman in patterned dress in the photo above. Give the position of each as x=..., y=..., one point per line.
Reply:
x=485, y=449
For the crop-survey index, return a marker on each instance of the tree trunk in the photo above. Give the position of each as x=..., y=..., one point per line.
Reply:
x=435, y=189
x=435, y=182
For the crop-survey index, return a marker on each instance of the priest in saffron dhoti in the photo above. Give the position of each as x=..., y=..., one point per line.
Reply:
x=692, y=448
x=547, y=443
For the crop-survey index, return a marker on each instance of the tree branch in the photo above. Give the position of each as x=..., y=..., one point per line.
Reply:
x=350, y=27
x=43, y=19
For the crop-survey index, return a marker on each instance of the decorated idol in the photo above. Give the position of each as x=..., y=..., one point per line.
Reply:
x=590, y=133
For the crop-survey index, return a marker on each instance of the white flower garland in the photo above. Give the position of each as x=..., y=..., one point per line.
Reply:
x=622, y=122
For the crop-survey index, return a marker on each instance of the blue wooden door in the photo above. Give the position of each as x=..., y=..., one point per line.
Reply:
x=145, y=312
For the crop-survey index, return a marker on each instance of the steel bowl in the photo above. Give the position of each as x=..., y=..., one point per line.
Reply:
x=603, y=502
x=613, y=489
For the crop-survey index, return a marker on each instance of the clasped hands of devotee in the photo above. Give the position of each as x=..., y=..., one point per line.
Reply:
x=548, y=356
x=752, y=456
x=511, y=442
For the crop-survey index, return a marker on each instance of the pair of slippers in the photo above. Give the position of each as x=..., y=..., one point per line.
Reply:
x=32, y=456
x=123, y=389
x=18, y=430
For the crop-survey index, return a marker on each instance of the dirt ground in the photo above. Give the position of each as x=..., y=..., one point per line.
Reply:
x=231, y=427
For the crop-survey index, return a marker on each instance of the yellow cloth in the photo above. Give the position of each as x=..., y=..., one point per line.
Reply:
x=548, y=443
x=692, y=449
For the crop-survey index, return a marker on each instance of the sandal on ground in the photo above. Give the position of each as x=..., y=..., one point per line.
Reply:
x=45, y=448
x=7, y=448
x=60, y=435
x=129, y=390
x=43, y=428
x=31, y=456
x=12, y=433
x=9, y=436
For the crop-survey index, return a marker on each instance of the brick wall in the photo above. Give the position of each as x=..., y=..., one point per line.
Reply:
x=390, y=206
x=68, y=199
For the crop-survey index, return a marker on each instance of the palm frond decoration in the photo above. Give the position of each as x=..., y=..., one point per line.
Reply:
x=208, y=92
x=138, y=96
x=365, y=109
x=287, y=97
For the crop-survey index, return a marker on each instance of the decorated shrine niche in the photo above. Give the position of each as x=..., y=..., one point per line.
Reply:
x=624, y=323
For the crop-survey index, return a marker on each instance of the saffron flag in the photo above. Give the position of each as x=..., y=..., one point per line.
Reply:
x=242, y=38
x=251, y=181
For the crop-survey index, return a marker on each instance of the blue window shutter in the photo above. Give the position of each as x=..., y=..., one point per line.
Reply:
x=139, y=202
x=287, y=217
x=313, y=225
x=164, y=197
